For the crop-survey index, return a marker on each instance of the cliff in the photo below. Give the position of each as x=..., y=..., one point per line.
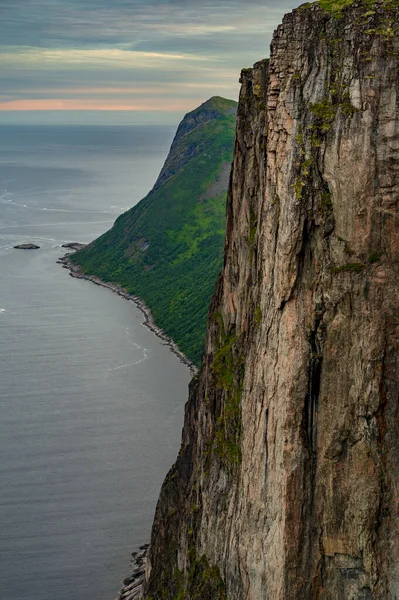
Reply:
x=168, y=248
x=286, y=484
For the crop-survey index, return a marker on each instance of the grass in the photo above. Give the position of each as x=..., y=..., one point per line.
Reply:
x=335, y=7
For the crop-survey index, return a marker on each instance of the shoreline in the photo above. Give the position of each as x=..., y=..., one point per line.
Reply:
x=75, y=271
x=132, y=586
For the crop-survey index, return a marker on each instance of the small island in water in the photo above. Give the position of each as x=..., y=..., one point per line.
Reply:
x=27, y=247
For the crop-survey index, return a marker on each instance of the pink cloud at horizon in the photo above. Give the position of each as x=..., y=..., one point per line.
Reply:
x=89, y=104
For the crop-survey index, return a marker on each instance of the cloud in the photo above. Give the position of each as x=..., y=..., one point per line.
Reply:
x=186, y=50
x=159, y=105
x=42, y=58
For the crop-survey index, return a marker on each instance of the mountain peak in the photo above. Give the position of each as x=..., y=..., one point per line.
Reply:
x=214, y=109
x=218, y=104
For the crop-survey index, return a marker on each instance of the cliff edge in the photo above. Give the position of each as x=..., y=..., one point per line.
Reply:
x=286, y=484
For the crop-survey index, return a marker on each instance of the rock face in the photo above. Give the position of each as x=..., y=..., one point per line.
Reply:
x=286, y=484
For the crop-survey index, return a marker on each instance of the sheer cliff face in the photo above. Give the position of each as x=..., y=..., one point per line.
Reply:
x=286, y=485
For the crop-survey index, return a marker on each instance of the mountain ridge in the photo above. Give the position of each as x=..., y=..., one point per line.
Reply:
x=168, y=248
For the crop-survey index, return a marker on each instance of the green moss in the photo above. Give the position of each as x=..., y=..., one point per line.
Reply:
x=324, y=111
x=223, y=364
x=299, y=184
x=315, y=141
x=349, y=268
x=299, y=136
x=228, y=372
x=305, y=169
x=348, y=109
x=335, y=7
x=202, y=581
x=226, y=443
x=258, y=315
x=326, y=200
x=373, y=258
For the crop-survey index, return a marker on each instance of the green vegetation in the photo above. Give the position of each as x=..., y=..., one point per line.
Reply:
x=373, y=257
x=337, y=6
x=258, y=315
x=326, y=200
x=168, y=248
x=349, y=268
x=324, y=111
x=228, y=372
x=201, y=582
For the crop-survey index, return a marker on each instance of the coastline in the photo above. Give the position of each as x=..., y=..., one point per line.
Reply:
x=75, y=271
x=133, y=585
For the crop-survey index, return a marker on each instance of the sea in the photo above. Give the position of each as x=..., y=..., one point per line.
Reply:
x=91, y=402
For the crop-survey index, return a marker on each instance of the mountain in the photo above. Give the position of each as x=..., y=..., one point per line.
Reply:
x=286, y=483
x=168, y=248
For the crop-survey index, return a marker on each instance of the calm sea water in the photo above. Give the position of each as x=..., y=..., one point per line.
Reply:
x=91, y=402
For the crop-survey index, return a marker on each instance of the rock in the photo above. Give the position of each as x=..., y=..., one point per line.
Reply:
x=133, y=585
x=286, y=484
x=74, y=246
x=27, y=247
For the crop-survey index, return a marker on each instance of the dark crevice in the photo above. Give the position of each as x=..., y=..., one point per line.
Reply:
x=309, y=431
x=267, y=449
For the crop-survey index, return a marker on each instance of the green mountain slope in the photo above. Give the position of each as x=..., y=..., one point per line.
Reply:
x=168, y=248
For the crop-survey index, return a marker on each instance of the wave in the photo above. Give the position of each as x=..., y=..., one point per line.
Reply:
x=121, y=208
x=2, y=228
x=64, y=210
x=4, y=196
x=138, y=362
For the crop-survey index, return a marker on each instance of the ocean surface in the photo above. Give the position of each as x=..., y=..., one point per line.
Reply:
x=91, y=402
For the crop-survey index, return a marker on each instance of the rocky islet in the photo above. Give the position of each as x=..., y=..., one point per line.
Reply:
x=28, y=246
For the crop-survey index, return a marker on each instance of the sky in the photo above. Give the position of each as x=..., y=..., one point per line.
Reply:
x=126, y=61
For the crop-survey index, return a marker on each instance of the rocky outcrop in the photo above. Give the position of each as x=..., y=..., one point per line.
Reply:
x=133, y=585
x=286, y=484
x=74, y=246
x=27, y=247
